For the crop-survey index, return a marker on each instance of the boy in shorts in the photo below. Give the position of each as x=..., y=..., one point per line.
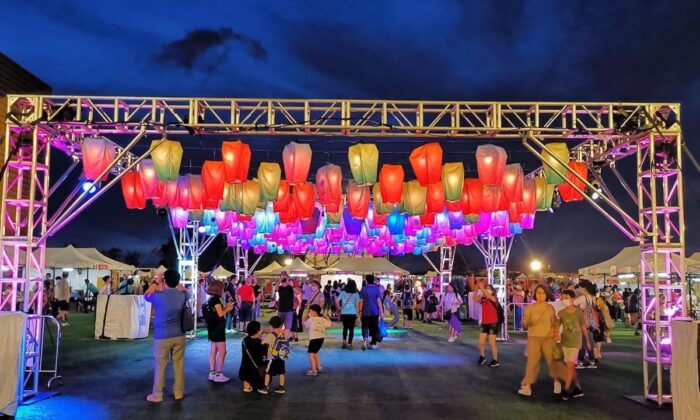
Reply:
x=573, y=331
x=316, y=325
x=275, y=362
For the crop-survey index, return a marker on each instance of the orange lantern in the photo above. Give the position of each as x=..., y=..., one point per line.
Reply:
x=358, y=199
x=281, y=205
x=213, y=179
x=304, y=200
x=329, y=179
x=426, y=161
x=379, y=219
x=427, y=218
x=98, y=155
x=512, y=183
x=289, y=216
x=132, y=190
x=514, y=213
x=379, y=205
x=491, y=198
x=436, y=198
x=236, y=157
x=490, y=163
x=297, y=161
x=453, y=180
x=566, y=191
x=476, y=194
x=149, y=180
x=391, y=183
x=529, y=203
x=167, y=156
x=504, y=203
x=452, y=206
x=269, y=176
x=464, y=201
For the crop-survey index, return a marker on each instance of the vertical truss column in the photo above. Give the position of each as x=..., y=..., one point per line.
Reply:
x=447, y=258
x=241, y=260
x=496, y=251
x=188, y=264
x=662, y=245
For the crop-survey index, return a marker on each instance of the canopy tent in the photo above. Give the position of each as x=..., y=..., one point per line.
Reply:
x=321, y=262
x=299, y=266
x=362, y=265
x=218, y=273
x=69, y=257
x=272, y=270
x=94, y=254
x=149, y=272
x=627, y=262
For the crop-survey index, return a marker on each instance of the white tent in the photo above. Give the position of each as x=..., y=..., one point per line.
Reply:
x=298, y=266
x=94, y=254
x=218, y=273
x=627, y=261
x=272, y=270
x=150, y=272
x=362, y=265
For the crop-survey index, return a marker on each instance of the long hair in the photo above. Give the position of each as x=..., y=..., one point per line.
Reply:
x=546, y=292
x=351, y=287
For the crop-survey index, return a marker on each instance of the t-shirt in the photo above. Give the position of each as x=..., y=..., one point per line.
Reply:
x=106, y=289
x=450, y=301
x=285, y=301
x=582, y=301
x=539, y=319
x=370, y=294
x=571, y=331
x=489, y=315
x=317, y=326
x=61, y=290
x=306, y=291
x=168, y=307
x=269, y=340
x=407, y=298
x=348, y=303
x=256, y=290
x=246, y=293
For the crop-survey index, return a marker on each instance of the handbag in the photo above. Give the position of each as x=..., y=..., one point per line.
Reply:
x=382, y=328
x=186, y=317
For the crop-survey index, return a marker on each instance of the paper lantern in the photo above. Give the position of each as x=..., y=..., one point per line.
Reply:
x=166, y=159
x=426, y=161
x=335, y=217
x=566, y=191
x=358, y=200
x=414, y=198
x=529, y=203
x=427, y=218
x=352, y=225
x=149, y=180
x=395, y=222
x=379, y=205
x=224, y=220
x=250, y=196
x=512, y=183
x=281, y=204
x=289, y=216
x=236, y=157
x=379, y=219
x=453, y=180
x=545, y=192
x=476, y=196
x=98, y=155
x=228, y=201
x=528, y=221
x=363, y=158
x=550, y=163
x=514, y=213
x=490, y=163
x=464, y=200
x=179, y=217
x=196, y=192
x=391, y=183
x=133, y=191
x=297, y=161
x=269, y=176
x=329, y=179
x=436, y=198
x=213, y=179
x=453, y=206
x=304, y=200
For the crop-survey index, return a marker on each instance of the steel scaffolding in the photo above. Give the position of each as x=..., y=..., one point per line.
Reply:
x=599, y=134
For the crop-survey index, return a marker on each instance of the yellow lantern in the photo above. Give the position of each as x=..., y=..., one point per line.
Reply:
x=453, y=180
x=228, y=202
x=414, y=198
x=364, y=158
x=269, y=176
x=545, y=193
x=334, y=218
x=560, y=150
x=166, y=157
x=379, y=205
x=250, y=193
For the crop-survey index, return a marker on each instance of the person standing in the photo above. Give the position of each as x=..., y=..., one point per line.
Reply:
x=316, y=324
x=106, y=288
x=61, y=295
x=350, y=305
x=230, y=294
x=372, y=311
x=306, y=293
x=327, y=302
x=253, y=351
x=518, y=295
x=168, y=339
x=297, y=325
x=408, y=302
x=257, y=292
x=449, y=306
x=586, y=303
x=634, y=309
x=573, y=329
x=214, y=312
x=245, y=296
x=418, y=295
x=285, y=303
x=489, y=326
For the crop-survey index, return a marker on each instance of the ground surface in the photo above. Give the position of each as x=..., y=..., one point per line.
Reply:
x=415, y=375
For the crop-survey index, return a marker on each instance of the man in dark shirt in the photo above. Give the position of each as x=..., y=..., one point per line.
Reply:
x=372, y=310
x=285, y=303
x=230, y=294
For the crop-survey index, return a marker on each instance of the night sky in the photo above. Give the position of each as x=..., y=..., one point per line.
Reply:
x=431, y=50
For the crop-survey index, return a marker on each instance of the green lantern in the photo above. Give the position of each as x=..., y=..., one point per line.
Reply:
x=453, y=180
x=364, y=158
x=269, y=176
x=550, y=164
x=166, y=157
x=545, y=193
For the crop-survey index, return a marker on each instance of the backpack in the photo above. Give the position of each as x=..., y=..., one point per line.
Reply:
x=590, y=314
x=211, y=317
x=282, y=348
x=407, y=299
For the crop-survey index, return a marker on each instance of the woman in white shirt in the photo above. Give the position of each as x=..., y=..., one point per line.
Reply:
x=449, y=307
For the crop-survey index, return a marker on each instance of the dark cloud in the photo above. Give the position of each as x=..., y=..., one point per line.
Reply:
x=197, y=44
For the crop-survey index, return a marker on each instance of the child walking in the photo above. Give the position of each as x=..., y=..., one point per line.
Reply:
x=277, y=353
x=252, y=370
x=214, y=313
x=574, y=328
x=316, y=324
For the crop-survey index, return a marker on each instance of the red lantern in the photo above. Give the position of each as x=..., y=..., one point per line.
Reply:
x=512, y=184
x=427, y=218
x=149, y=179
x=491, y=198
x=391, y=183
x=476, y=195
x=289, y=216
x=197, y=197
x=213, y=179
x=329, y=179
x=133, y=191
x=490, y=163
x=304, y=200
x=436, y=198
x=426, y=161
x=464, y=201
x=514, y=213
x=529, y=203
x=358, y=200
x=297, y=161
x=236, y=157
x=281, y=205
x=503, y=204
x=379, y=219
x=98, y=155
x=454, y=206
x=566, y=191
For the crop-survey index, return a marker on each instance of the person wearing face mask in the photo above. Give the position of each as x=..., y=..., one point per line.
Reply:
x=316, y=295
x=573, y=329
x=489, y=323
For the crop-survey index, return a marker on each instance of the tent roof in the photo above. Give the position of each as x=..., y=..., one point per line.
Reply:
x=219, y=272
x=362, y=265
x=299, y=266
x=627, y=261
x=94, y=254
x=271, y=270
x=68, y=257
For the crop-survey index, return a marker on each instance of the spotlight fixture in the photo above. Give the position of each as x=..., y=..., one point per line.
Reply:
x=90, y=187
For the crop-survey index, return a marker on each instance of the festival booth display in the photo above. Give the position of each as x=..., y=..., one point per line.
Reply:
x=122, y=317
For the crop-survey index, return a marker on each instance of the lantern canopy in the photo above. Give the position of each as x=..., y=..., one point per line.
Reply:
x=414, y=198
x=149, y=180
x=304, y=200
x=436, y=198
x=98, y=155
x=166, y=157
x=391, y=183
x=297, y=161
x=236, y=157
x=550, y=163
x=329, y=179
x=363, y=158
x=426, y=161
x=269, y=176
x=512, y=183
x=133, y=191
x=566, y=191
x=453, y=180
x=490, y=163
x=358, y=200
x=213, y=179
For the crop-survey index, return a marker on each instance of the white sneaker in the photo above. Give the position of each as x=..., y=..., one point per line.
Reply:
x=220, y=378
x=65, y=324
x=211, y=376
x=557, y=387
x=608, y=340
x=451, y=339
x=525, y=390
x=375, y=347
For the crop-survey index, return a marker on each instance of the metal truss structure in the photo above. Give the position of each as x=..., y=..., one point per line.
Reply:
x=598, y=133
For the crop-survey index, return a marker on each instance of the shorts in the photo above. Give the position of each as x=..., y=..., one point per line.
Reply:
x=408, y=313
x=275, y=367
x=216, y=334
x=287, y=318
x=570, y=355
x=490, y=329
x=60, y=305
x=315, y=345
x=245, y=312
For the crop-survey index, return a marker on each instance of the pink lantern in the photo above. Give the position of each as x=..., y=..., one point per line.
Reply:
x=512, y=184
x=149, y=180
x=490, y=163
x=297, y=161
x=132, y=190
x=528, y=221
x=179, y=217
x=98, y=155
x=329, y=179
